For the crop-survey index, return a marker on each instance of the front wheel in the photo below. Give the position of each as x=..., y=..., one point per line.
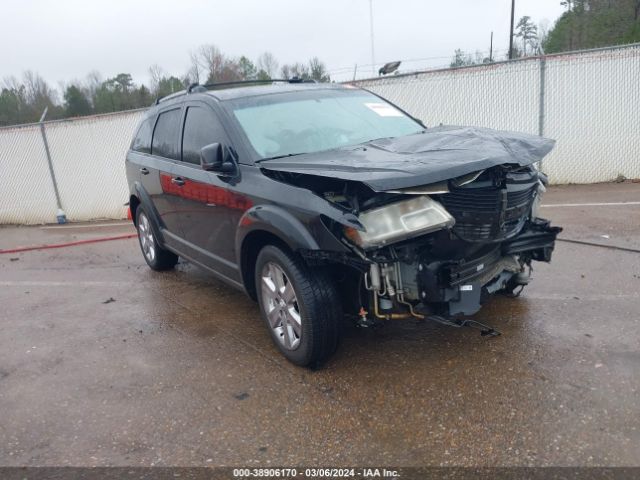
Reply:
x=299, y=305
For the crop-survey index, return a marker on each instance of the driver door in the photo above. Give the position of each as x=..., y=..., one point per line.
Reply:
x=204, y=197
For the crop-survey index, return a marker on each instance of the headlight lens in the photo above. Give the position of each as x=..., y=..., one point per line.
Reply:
x=401, y=220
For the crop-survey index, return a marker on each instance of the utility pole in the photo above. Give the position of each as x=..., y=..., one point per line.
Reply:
x=513, y=6
x=373, y=57
x=491, y=49
x=60, y=215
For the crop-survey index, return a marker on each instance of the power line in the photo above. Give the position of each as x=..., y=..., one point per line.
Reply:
x=413, y=60
x=373, y=57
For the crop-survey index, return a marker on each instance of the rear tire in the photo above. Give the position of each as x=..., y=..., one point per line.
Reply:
x=299, y=305
x=156, y=257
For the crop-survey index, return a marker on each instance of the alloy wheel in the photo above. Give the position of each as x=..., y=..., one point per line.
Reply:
x=281, y=305
x=147, y=242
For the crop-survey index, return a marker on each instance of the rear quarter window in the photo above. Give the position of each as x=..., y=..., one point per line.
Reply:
x=142, y=141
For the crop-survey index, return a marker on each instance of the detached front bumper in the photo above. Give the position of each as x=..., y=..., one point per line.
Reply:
x=460, y=286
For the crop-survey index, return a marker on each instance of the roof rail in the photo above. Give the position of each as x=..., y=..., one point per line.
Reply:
x=169, y=97
x=195, y=87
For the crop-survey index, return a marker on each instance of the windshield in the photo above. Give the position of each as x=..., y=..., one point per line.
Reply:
x=314, y=120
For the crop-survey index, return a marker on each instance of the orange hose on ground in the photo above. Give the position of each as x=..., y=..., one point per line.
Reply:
x=68, y=244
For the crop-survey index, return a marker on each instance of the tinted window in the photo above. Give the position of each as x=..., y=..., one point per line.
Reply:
x=201, y=128
x=142, y=141
x=165, y=134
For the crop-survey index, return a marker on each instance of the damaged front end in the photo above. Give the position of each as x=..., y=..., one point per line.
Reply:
x=448, y=217
x=442, y=249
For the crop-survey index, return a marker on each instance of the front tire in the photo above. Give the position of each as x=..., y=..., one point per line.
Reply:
x=156, y=257
x=299, y=305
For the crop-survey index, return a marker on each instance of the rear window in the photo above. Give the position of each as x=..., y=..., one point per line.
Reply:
x=142, y=141
x=165, y=135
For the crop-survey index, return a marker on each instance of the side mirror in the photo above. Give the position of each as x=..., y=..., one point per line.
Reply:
x=217, y=158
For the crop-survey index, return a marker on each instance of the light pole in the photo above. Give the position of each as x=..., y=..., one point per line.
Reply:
x=373, y=57
x=491, y=49
x=513, y=6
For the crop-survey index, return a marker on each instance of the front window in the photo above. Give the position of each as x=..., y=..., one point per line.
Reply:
x=314, y=120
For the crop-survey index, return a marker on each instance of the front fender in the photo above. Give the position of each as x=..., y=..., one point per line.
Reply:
x=277, y=221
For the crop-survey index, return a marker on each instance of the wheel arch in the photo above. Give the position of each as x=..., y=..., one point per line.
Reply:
x=253, y=243
x=268, y=225
x=139, y=197
x=134, y=202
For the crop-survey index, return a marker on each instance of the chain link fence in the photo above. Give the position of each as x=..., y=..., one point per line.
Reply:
x=87, y=159
x=588, y=101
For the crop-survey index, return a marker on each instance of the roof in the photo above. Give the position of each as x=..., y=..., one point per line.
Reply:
x=230, y=92
x=269, y=89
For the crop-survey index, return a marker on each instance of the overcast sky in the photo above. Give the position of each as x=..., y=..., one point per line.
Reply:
x=63, y=40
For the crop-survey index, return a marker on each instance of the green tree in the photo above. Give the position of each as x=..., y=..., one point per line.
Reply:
x=115, y=94
x=143, y=97
x=104, y=100
x=461, y=59
x=528, y=32
x=247, y=69
x=594, y=23
x=76, y=102
x=168, y=85
x=13, y=105
x=121, y=83
x=263, y=75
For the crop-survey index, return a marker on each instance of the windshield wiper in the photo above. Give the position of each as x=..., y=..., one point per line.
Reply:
x=281, y=156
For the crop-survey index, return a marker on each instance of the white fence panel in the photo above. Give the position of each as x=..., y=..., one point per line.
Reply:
x=26, y=190
x=88, y=159
x=590, y=99
x=590, y=104
x=502, y=96
x=87, y=155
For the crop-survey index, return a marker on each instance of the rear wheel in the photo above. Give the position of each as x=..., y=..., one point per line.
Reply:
x=156, y=257
x=299, y=305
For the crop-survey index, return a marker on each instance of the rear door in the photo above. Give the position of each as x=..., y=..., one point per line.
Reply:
x=158, y=180
x=205, y=199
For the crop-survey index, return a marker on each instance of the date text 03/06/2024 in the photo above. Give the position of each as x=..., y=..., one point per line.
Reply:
x=315, y=473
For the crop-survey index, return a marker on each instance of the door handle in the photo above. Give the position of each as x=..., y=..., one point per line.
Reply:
x=144, y=171
x=177, y=181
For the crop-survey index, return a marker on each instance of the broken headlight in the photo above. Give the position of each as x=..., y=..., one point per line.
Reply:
x=398, y=221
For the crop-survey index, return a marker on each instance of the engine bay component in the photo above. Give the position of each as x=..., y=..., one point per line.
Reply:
x=450, y=260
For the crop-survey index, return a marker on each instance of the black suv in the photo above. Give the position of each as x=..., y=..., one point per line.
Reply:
x=321, y=200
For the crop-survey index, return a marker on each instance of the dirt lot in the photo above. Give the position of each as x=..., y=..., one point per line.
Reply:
x=104, y=362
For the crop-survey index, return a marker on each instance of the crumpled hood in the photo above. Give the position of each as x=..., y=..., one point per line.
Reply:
x=438, y=154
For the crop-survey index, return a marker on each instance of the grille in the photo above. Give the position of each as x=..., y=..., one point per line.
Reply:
x=489, y=213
